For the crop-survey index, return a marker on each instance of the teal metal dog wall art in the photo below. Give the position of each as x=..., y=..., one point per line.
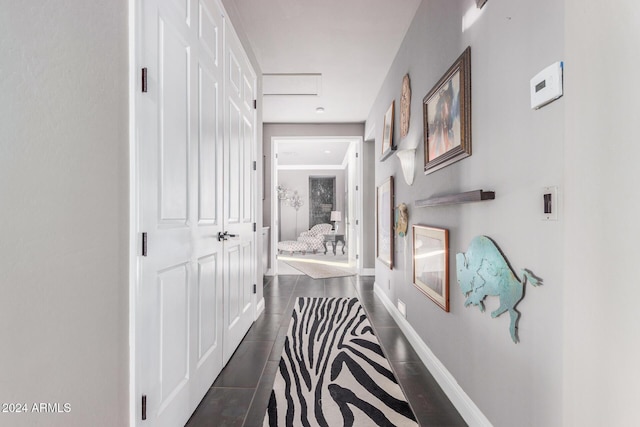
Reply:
x=484, y=271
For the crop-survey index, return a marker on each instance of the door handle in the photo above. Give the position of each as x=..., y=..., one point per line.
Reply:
x=225, y=236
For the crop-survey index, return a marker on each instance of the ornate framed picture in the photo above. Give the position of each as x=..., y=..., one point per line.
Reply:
x=405, y=106
x=447, y=117
x=385, y=222
x=431, y=263
x=387, y=132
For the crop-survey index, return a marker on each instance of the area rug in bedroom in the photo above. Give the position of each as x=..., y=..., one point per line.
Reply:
x=333, y=372
x=318, y=270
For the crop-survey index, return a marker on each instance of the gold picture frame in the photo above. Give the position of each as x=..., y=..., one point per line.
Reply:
x=431, y=263
x=385, y=235
x=387, y=132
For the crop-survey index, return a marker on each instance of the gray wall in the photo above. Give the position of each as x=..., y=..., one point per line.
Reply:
x=64, y=220
x=516, y=152
x=64, y=210
x=601, y=292
x=299, y=180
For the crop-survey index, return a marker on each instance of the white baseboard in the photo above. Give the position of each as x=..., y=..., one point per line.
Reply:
x=463, y=403
x=367, y=271
x=259, y=308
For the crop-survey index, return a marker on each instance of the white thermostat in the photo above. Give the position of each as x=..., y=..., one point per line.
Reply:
x=546, y=86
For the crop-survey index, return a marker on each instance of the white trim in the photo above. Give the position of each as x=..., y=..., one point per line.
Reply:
x=275, y=227
x=259, y=308
x=310, y=167
x=270, y=272
x=314, y=139
x=360, y=202
x=463, y=403
x=134, y=28
x=367, y=271
x=345, y=161
x=370, y=134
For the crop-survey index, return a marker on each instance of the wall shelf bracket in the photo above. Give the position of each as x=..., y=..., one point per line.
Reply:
x=388, y=153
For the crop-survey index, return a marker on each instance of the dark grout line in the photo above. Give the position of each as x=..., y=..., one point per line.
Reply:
x=255, y=391
x=233, y=388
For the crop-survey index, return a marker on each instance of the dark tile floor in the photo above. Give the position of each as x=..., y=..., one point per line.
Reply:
x=240, y=394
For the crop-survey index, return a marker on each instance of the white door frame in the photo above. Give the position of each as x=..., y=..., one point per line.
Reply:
x=354, y=140
x=134, y=247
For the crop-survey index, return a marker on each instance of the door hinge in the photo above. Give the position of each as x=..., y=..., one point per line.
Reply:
x=144, y=407
x=356, y=155
x=356, y=188
x=357, y=221
x=144, y=80
x=255, y=165
x=357, y=256
x=255, y=288
x=144, y=244
x=255, y=104
x=255, y=227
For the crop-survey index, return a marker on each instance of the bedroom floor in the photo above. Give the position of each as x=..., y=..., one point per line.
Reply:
x=240, y=394
x=338, y=260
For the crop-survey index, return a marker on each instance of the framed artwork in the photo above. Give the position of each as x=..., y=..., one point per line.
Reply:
x=387, y=131
x=405, y=106
x=385, y=222
x=322, y=199
x=447, y=117
x=431, y=263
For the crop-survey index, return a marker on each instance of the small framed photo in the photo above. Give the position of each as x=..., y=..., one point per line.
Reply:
x=385, y=222
x=387, y=131
x=447, y=117
x=431, y=263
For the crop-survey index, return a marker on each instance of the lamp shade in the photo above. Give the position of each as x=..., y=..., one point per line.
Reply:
x=408, y=163
x=336, y=216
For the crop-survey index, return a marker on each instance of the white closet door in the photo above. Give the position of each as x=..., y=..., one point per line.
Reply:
x=239, y=195
x=179, y=306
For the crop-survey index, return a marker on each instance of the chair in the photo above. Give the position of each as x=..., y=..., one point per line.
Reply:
x=314, y=238
x=291, y=247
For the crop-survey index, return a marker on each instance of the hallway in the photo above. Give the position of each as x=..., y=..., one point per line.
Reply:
x=240, y=394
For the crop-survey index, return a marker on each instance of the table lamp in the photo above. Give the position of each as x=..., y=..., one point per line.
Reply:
x=336, y=216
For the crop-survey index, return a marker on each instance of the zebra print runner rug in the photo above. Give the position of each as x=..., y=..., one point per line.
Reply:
x=333, y=372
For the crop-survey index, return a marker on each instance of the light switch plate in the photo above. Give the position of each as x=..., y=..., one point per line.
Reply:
x=546, y=86
x=549, y=202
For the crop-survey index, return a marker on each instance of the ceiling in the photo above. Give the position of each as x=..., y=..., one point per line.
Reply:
x=312, y=152
x=335, y=52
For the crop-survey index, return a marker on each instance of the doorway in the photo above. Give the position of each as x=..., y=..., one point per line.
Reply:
x=294, y=160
